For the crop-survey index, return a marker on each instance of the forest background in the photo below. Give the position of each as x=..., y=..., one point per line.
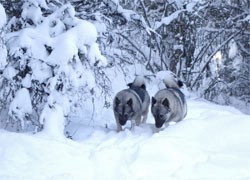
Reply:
x=206, y=43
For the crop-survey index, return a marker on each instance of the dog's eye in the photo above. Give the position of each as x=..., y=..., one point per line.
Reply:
x=161, y=116
x=125, y=115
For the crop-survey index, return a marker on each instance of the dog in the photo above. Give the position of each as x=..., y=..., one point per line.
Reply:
x=132, y=104
x=169, y=104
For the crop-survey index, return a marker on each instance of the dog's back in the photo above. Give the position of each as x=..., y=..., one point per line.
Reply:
x=181, y=98
x=139, y=86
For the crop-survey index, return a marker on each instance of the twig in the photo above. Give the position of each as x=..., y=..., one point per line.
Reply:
x=212, y=55
x=133, y=46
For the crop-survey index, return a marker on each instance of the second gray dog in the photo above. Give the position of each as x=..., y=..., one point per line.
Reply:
x=169, y=104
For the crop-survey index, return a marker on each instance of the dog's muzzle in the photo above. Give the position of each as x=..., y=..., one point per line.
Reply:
x=122, y=122
x=159, y=123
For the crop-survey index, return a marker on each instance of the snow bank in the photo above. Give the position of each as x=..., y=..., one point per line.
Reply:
x=55, y=121
x=211, y=143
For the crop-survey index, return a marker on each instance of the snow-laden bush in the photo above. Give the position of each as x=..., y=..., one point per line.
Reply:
x=3, y=50
x=52, y=64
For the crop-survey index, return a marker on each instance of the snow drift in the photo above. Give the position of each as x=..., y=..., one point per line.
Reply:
x=211, y=143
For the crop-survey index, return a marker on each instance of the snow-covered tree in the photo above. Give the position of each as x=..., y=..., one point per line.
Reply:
x=52, y=52
x=220, y=69
x=3, y=50
x=52, y=64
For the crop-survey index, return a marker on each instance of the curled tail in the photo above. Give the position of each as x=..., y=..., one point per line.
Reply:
x=138, y=82
x=170, y=79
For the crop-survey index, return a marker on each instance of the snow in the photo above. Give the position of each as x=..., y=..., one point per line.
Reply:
x=233, y=49
x=30, y=11
x=26, y=82
x=216, y=63
x=41, y=71
x=247, y=18
x=59, y=51
x=21, y=105
x=167, y=20
x=95, y=55
x=3, y=56
x=3, y=49
x=233, y=54
x=9, y=73
x=65, y=45
x=55, y=121
x=189, y=7
x=211, y=143
x=83, y=37
x=2, y=16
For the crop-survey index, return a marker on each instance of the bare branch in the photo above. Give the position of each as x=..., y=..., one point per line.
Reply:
x=212, y=55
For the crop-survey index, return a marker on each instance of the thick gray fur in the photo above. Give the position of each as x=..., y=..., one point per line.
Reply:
x=131, y=104
x=169, y=104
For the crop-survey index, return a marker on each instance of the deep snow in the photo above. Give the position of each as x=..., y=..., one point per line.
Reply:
x=213, y=142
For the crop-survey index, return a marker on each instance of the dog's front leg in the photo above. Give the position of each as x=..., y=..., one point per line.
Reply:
x=144, y=116
x=119, y=126
x=166, y=124
x=138, y=120
x=132, y=125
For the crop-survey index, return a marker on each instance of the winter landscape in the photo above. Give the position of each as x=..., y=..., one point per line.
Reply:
x=62, y=63
x=211, y=143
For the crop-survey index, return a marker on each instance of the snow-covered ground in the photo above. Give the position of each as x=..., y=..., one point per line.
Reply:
x=213, y=142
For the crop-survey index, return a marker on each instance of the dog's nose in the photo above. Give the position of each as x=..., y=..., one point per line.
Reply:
x=122, y=122
x=159, y=123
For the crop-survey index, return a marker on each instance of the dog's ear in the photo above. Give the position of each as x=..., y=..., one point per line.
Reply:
x=180, y=83
x=153, y=100
x=130, y=102
x=129, y=85
x=165, y=102
x=117, y=101
x=143, y=86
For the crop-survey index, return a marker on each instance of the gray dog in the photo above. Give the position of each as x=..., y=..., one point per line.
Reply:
x=169, y=104
x=132, y=104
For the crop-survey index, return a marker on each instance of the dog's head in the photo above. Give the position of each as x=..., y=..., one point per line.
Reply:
x=123, y=110
x=161, y=111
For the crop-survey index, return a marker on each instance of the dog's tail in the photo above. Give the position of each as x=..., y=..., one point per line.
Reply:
x=138, y=82
x=170, y=79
